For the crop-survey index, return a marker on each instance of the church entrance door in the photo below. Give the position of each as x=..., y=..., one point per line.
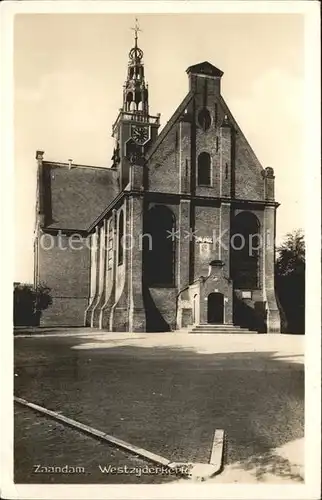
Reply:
x=215, y=311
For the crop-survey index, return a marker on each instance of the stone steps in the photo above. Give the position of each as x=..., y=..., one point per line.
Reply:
x=220, y=329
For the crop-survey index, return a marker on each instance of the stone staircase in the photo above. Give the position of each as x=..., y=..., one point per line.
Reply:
x=220, y=329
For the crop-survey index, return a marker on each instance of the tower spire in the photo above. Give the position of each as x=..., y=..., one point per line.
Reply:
x=136, y=29
x=135, y=94
x=134, y=129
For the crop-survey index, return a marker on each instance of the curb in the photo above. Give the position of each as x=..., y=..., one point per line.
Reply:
x=196, y=471
x=36, y=335
x=153, y=457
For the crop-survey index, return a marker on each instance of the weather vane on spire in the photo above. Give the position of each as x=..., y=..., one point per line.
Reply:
x=136, y=29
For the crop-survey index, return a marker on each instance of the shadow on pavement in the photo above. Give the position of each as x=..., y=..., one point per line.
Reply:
x=169, y=400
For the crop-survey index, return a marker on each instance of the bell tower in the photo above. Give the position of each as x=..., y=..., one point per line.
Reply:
x=134, y=129
x=135, y=93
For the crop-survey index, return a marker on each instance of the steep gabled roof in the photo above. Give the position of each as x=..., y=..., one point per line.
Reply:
x=74, y=197
x=166, y=129
x=239, y=131
x=205, y=68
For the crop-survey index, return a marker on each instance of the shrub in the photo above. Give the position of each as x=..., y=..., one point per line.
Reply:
x=29, y=302
x=290, y=281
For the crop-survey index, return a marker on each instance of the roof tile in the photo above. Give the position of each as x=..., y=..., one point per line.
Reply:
x=74, y=197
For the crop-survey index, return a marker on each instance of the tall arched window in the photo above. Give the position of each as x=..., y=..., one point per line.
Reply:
x=204, y=119
x=159, y=251
x=110, y=234
x=204, y=169
x=120, y=238
x=244, y=251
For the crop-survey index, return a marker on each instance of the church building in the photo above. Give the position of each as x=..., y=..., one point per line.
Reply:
x=178, y=233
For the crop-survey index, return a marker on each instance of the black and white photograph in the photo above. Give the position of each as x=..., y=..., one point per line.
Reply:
x=164, y=299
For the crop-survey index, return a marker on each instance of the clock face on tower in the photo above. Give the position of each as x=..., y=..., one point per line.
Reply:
x=140, y=134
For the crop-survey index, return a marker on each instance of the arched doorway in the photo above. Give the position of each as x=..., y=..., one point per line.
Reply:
x=215, y=311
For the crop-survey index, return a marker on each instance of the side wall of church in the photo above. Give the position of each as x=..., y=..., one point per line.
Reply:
x=110, y=267
x=64, y=266
x=119, y=314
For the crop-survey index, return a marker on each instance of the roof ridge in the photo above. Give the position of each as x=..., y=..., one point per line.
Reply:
x=75, y=165
x=240, y=131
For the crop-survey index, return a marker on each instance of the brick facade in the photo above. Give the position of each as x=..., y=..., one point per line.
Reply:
x=202, y=170
x=66, y=271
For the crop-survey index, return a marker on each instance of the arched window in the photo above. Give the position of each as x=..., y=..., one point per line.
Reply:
x=110, y=234
x=204, y=119
x=159, y=251
x=120, y=238
x=132, y=106
x=244, y=251
x=204, y=169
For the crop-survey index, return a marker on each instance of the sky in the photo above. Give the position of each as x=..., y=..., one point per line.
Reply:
x=69, y=70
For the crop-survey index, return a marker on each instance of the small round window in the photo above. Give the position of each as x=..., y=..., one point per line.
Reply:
x=204, y=119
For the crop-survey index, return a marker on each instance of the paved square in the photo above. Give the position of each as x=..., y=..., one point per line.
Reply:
x=168, y=393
